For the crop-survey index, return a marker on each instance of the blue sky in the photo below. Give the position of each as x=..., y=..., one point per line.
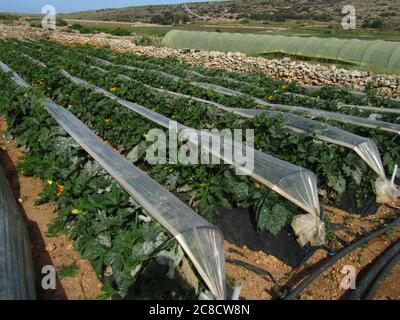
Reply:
x=35, y=6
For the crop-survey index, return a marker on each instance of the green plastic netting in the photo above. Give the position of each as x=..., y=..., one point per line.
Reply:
x=377, y=54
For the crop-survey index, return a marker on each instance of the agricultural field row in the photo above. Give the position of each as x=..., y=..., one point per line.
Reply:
x=339, y=182
x=108, y=226
x=208, y=189
x=272, y=91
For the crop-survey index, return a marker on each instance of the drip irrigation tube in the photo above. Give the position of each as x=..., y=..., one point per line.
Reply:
x=381, y=278
x=294, y=294
x=372, y=272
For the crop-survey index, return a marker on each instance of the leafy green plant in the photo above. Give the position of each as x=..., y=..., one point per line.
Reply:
x=67, y=271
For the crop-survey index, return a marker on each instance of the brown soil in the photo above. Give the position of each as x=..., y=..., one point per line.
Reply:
x=250, y=268
x=57, y=251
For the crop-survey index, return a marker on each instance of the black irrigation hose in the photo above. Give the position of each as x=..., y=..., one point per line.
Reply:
x=321, y=268
x=381, y=277
x=372, y=272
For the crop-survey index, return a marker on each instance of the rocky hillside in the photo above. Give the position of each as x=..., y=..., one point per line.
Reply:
x=370, y=13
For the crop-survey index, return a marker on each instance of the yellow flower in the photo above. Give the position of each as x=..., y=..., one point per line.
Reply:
x=270, y=98
x=59, y=190
x=50, y=182
x=75, y=211
x=145, y=136
x=113, y=88
x=284, y=88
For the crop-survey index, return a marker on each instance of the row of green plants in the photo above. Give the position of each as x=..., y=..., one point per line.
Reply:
x=108, y=227
x=274, y=91
x=257, y=83
x=336, y=169
x=85, y=29
x=387, y=143
x=207, y=188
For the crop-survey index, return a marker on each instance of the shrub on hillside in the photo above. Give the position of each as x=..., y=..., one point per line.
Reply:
x=119, y=32
x=374, y=24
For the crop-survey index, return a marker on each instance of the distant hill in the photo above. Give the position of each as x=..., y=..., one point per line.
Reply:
x=373, y=13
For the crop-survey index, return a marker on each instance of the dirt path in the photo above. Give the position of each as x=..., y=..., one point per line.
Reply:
x=57, y=251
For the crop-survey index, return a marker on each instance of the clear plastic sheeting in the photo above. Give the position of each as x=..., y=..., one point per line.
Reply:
x=377, y=54
x=173, y=93
x=369, y=108
x=144, y=112
x=270, y=171
x=201, y=241
x=16, y=268
x=386, y=191
x=358, y=121
x=345, y=118
x=40, y=63
x=108, y=63
x=309, y=229
x=18, y=80
x=364, y=147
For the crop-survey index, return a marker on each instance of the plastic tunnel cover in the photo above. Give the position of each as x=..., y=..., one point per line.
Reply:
x=364, y=147
x=16, y=268
x=377, y=54
x=224, y=90
x=201, y=241
x=345, y=118
x=368, y=151
x=268, y=170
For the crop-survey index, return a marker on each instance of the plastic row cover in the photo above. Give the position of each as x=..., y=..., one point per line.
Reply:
x=19, y=81
x=108, y=63
x=294, y=183
x=369, y=108
x=16, y=268
x=382, y=55
x=358, y=121
x=340, y=105
x=345, y=118
x=364, y=147
x=202, y=242
x=310, y=89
